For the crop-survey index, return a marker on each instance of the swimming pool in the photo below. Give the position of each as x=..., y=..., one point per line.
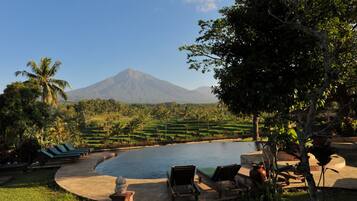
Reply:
x=154, y=162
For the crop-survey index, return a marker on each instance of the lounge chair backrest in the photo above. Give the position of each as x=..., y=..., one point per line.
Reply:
x=182, y=175
x=61, y=148
x=225, y=173
x=53, y=151
x=44, y=152
x=69, y=146
x=245, y=181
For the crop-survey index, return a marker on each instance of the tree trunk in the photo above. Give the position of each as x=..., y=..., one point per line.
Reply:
x=309, y=178
x=305, y=164
x=256, y=126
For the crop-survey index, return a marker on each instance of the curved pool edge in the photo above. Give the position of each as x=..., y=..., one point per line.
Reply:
x=89, y=184
x=170, y=144
x=81, y=179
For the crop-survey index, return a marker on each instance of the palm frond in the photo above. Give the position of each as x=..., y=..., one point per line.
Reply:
x=26, y=74
x=32, y=82
x=42, y=75
x=54, y=97
x=60, y=83
x=32, y=64
x=63, y=95
x=55, y=67
x=57, y=90
x=45, y=65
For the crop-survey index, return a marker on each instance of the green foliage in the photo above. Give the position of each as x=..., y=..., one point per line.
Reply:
x=275, y=56
x=251, y=63
x=23, y=116
x=281, y=132
x=284, y=57
x=42, y=75
x=348, y=127
x=20, y=111
x=167, y=132
x=110, y=123
x=322, y=150
x=27, y=151
x=61, y=130
x=269, y=192
x=331, y=194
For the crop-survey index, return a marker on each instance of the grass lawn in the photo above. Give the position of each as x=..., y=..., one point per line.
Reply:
x=35, y=186
x=329, y=195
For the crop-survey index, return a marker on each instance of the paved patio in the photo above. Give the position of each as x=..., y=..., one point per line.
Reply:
x=81, y=179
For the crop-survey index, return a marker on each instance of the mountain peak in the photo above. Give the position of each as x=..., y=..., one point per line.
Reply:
x=131, y=73
x=129, y=70
x=132, y=86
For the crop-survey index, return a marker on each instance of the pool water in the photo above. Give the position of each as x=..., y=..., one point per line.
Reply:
x=154, y=162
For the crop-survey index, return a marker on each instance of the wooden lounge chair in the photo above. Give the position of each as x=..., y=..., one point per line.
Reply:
x=221, y=178
x=246, y=184
x=181, y=182
x=284, y=173
x=45, y=156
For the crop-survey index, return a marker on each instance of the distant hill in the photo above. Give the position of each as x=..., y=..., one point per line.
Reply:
x=204, y=90
x=132, y=86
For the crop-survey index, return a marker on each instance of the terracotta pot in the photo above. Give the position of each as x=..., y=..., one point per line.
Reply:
x=258, y=173
x=128, y=196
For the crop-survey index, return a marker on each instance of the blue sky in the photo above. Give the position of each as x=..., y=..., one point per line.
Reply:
x=96, y=39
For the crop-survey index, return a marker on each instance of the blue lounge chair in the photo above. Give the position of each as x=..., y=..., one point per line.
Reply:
x=45, y=156
x=70, y=147
x=55, y=152
x=62, y=149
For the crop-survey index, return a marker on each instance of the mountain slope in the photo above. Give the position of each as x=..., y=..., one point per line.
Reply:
x=204, y=90
x=132, y=86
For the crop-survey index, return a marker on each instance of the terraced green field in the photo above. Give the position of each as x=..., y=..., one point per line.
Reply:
x=172, y=131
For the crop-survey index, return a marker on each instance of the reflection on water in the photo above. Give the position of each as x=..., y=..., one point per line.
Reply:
x=154, y=162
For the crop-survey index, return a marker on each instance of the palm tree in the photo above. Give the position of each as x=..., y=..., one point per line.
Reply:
x=42, y=74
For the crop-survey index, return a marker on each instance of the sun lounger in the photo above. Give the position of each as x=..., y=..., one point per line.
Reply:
x=246, y=183
x=70, y=147
x=55, y=152
x=284, y=172
x=45, y=156
x=62, y=149
x=221, y=178
x=181, y=182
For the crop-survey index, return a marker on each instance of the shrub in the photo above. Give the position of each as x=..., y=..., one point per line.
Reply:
x=7, y=156
x=27, y=151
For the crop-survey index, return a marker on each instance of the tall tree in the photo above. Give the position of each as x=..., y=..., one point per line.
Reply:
x=42, y=74
x=19, y=111
x=279, y=56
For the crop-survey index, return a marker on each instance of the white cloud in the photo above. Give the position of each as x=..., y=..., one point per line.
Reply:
x=204, y=5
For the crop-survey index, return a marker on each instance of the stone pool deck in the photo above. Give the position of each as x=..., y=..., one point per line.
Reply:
x=81, y=179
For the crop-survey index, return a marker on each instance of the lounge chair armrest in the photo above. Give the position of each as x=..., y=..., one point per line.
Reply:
x=168, y=176
x=243, y=186
x=196, y=188
x=286, y=168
